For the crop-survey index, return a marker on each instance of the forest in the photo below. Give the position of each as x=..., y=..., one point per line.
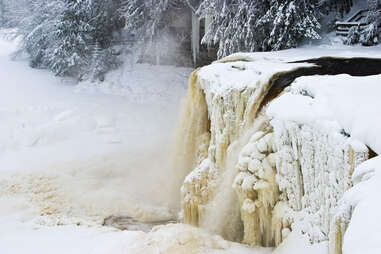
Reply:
x=87, y=38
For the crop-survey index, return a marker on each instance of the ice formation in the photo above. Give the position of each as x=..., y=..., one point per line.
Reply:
x=269, y=171
x=218, y=115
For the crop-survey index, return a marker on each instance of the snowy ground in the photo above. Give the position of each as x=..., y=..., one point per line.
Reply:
x=71, y=155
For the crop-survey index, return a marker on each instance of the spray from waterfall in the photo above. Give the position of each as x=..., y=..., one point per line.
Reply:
x=212, y=132
x=192, y=136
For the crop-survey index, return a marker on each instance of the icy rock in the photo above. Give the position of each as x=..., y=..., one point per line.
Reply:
x=261, y=185
x=243, y=164
x=255, y=165
x=262, y=146
x=271, y=160
x=258, y=135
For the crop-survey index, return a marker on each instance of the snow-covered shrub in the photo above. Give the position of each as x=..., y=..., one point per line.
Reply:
x=353, y=36
x=234, y=26
x=291, y=21
x=102, y=60
x=372, y=33
x=244, y=25
x=59, y=34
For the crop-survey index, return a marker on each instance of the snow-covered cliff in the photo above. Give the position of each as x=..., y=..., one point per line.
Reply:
x=259, y=170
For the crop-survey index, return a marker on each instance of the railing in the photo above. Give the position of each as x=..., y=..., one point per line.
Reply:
x=357, y=20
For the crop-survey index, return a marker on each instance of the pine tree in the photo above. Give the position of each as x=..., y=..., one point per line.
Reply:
x=234, y=27
x=2, y=14
x=148, y=21
x=372, y=34
x=60, y=34
x=341, y=7
x=38, y=28
x=68, y=55
x=290, y=22
x=145, y=18
x=244, y=25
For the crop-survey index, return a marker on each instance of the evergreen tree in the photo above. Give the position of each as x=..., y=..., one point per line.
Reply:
x=2, y=16
x=290, y=21
x=68, y=54
x=14, y=11
x=60, y=34
x=145, y=18
x=244, y=25
x=234, y=27
x=148, y=21
x=38, y=30
x=372, y=33
x=341, y=7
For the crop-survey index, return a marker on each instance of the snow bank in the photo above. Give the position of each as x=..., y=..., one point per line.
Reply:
x=350, y=106
x=308, y=52
x=71, y=156
x=142, y=83
x=352, y=101
x=220, y=78
x=363, y=201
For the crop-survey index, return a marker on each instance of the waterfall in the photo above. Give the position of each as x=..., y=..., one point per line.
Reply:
x=254, y=178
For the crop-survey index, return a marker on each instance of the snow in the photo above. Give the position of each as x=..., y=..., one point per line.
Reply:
x=221, y=77
x=136, y=83
x=308, y=52
x=298, y=243
x=362, y=235
x=301, y=109
x=321, y=129
x=67, y=157
x=79, y=142
x=352, y=102
x=248, y=70
x=336, y=103
x=73, y=154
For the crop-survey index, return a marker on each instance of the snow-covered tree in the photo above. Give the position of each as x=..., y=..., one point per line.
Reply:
x=68, y=53
x=149, y=21
x=145, y=18
x=37, y=30
x=14, y=11
x=60, y=34
x=341, y=7
x=2, y=10
x=244, y=25
x=291, y=21
x=234, y=25
x=372, y=34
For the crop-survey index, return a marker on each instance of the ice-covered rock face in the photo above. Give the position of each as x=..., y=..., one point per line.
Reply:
x=258, y=175
x=314, y=168
x=220, y=115
x=258, y=191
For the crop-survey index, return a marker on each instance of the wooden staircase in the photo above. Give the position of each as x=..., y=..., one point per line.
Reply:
x=359, y=20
